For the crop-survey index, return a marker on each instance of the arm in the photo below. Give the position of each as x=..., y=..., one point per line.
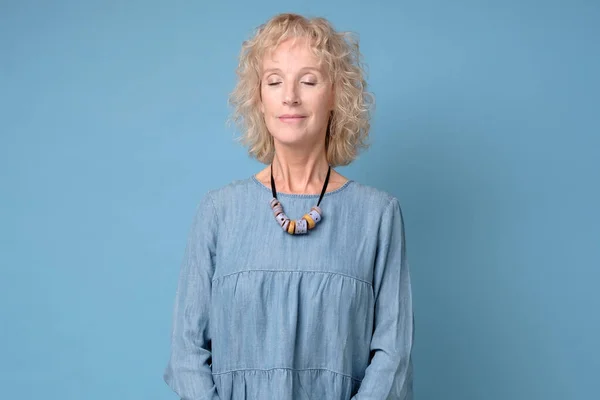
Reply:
x=189, y=372
x=389, y=374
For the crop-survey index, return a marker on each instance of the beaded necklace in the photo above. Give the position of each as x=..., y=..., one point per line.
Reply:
x=308, y=221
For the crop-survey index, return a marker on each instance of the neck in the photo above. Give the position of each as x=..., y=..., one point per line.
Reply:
x=299, y=173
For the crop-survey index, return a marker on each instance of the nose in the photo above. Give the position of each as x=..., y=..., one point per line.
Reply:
x=290, y=96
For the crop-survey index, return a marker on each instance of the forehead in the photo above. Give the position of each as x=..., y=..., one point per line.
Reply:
x=290, y=52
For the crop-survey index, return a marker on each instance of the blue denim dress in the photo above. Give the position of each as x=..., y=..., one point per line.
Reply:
x=264, y=315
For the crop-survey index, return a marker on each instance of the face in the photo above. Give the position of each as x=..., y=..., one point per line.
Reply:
x=296, y=94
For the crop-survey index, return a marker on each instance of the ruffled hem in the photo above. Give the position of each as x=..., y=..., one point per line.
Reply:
x=285, y=384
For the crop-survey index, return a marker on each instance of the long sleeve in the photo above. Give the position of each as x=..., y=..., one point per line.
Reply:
x=189, y=371
x=389, y=375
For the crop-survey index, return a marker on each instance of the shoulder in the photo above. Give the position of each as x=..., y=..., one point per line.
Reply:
x=384, y=211
x=229, y=191
x=230, y=195
x=214, y=200
x=374, y=198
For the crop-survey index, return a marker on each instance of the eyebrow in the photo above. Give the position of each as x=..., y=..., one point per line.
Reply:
x=269, y=70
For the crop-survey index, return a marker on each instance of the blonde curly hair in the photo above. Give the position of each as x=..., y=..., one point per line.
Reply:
x=349, y=125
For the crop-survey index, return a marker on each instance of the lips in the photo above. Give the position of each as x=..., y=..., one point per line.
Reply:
x=291, y=117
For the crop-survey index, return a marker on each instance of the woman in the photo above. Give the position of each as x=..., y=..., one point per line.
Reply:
x=316, y=305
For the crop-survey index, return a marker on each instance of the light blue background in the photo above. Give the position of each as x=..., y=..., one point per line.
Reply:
x=112, y=121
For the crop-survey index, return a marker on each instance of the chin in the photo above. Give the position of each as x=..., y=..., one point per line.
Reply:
x=290, y=139
x=286, y=135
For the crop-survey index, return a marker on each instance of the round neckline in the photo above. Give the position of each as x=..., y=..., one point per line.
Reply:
x=299, y=195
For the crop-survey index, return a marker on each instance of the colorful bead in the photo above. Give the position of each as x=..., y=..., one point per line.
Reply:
x=310, y=221
x=281, y=218
x=296, y=227
x=291, y=227
x=277, y=210
x=300, y=227
x=316, y=216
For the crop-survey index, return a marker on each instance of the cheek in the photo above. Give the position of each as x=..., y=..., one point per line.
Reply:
x=266, y=103
x=325, y=101
x=324, y=107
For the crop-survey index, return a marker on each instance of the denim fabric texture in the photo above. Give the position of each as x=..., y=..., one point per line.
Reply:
x=263, y=315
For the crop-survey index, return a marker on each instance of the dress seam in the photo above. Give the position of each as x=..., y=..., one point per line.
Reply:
x=293, y=271
x=285, y=368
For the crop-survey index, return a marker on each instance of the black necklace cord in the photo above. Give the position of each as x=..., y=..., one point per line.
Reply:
x=324, y=186
x=274, y=189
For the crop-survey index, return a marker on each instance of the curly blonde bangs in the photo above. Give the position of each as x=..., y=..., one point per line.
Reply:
x=339, y=51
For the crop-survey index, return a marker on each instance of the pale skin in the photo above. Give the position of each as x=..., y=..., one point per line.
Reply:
x=296, y=101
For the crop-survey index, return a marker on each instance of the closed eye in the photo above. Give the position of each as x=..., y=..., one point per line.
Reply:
x=309, y=83
x=273, y=83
